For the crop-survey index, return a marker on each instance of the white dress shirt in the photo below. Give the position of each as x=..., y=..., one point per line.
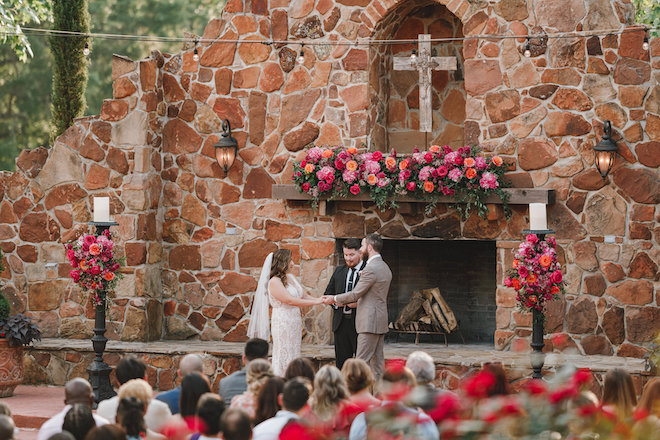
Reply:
x=270, y=429
x=54, y=424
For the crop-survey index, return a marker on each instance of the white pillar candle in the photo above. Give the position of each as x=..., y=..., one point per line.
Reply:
x=537, y=218
x=102, y=209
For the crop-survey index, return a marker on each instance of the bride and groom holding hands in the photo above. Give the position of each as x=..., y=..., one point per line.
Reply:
x=357, y=292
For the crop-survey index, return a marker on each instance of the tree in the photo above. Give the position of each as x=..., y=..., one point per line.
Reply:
x=16, y=13
x=648, y=12
x=70, y=63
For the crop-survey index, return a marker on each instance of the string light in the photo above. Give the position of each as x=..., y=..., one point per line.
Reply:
x=413, y=55
x=301, y=57
x=195, y=53
x=645, y=44
x=528, y=50
x=86, y=49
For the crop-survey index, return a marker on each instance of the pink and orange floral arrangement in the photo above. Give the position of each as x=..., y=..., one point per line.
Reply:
x=94, y=265
x=464, y=175
x=536, y=273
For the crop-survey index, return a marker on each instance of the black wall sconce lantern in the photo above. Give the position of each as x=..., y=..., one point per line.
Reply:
x=226, y=148
x=605, y=152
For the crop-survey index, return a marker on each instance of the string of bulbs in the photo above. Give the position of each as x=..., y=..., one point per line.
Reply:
x=301, y=57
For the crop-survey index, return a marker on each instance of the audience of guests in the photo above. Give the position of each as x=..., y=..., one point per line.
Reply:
x=79, y=421
x=300, y=367
x=359, y=381
x=258, y=373
x=236, y=383
x=193, y=386
x=619, y=392
x=190, y=363
x=209, y=411
x=131, y=368
x=293, y=400
x=77, y=390
x=267, y=401
x=235, y=424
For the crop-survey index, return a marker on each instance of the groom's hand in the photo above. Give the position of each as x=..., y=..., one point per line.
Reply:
x=329, y=300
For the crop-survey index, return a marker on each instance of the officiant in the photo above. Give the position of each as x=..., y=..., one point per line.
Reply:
x=344, y=278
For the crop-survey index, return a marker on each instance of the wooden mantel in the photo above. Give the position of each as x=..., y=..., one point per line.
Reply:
x=517, y=196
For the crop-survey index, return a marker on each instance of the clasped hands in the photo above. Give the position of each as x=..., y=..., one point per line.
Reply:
x=329, y=300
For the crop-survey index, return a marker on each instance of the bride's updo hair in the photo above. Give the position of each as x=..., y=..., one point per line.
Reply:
x=280, y=265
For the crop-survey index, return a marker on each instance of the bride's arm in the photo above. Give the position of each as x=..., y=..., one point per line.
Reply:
x=279, y=292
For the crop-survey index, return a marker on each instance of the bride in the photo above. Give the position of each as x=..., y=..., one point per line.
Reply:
x=286, y=296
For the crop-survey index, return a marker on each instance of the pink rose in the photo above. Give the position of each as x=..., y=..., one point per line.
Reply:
x=355, y=189
x=377, y=155
x=339, y=164
x=411, y=186
x=556, y=276
x=95, y=270
x=75, y=276
x=305, y=186
x=442, y=171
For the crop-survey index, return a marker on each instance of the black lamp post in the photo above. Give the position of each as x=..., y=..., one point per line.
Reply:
x=98, y=370
x=605, y=152
x=226, y=148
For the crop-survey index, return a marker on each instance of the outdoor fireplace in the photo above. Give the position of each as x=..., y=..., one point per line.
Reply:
x=463, y=270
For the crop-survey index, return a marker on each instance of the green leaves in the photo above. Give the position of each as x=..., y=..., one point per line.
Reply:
x=17, y=13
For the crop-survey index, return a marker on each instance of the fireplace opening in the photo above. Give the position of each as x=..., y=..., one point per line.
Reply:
x=464, y=271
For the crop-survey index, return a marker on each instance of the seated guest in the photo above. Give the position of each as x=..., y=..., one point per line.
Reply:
x=396, y=381
x=209, y=411
x=78, y=421
x=7, y=427
x=140, y=390
x=650, y=400
x=258, y=372
x=268, y=400
x=76, y=390
x=422, y=366
x=236, y=383
x=619, y=392
x=235, y=425
x=190, y=363
x=66, y=435
x=130, y=416
x=130, y=368
x=105, y=432
x=501, y=385
x=300, y=367
x=293, y=400
x=359, y=380
x=328, y=401
x=193, y=386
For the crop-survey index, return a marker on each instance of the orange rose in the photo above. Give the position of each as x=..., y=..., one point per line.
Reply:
x=533, y=299
x=327, y=153
x=352, y=150
x=469, y=162
x=372, y=179
x=428, y=186
x=351, y=165
x=84, y=266
x=545, y=261
x=554, y=290
x=531, y=279
x=434, y=149
x=471, y=173
x=516, y=263
x=497, y=160
x=108, y=276
x=403, y=164
x=390, y=162
x=309, y=168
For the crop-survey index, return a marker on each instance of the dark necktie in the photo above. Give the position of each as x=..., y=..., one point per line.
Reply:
x=350, y=280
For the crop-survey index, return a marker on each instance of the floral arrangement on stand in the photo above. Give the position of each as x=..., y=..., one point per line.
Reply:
x=464, y=175
x=536, y=273
x=94, y=265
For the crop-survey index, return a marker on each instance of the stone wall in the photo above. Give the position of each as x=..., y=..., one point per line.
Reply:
x=194, y=240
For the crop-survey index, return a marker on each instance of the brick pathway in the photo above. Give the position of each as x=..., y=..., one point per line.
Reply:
x=31, y=406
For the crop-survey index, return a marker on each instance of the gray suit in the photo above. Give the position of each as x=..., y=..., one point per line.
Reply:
x=371, y=318
x=233, y=385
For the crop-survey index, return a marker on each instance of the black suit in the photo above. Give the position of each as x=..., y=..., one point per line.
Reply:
x=343, y=325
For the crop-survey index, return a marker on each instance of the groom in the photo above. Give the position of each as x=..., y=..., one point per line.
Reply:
x=371, y=296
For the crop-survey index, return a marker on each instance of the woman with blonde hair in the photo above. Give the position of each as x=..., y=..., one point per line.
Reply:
x=650, y=400
x=137, y=394
x=329, y=400
x=619, y=392
x=287, y=296
x=257, y=374
x=359, y=380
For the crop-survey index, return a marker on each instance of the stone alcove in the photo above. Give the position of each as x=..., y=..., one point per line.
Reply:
x=394, y=94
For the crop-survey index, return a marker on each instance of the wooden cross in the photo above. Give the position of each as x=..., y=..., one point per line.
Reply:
x=425, y=63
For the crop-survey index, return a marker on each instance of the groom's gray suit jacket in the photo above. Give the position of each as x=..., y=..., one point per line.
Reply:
x=371, y=296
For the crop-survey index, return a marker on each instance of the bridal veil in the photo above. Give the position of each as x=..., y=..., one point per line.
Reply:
x=259, y=326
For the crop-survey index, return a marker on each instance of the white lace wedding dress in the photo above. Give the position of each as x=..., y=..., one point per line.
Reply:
x=286, y=328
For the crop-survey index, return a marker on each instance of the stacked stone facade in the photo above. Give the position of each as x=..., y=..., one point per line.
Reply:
x=194, y=240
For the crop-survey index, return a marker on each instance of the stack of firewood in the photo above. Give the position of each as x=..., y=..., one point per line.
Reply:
x=427, y=311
